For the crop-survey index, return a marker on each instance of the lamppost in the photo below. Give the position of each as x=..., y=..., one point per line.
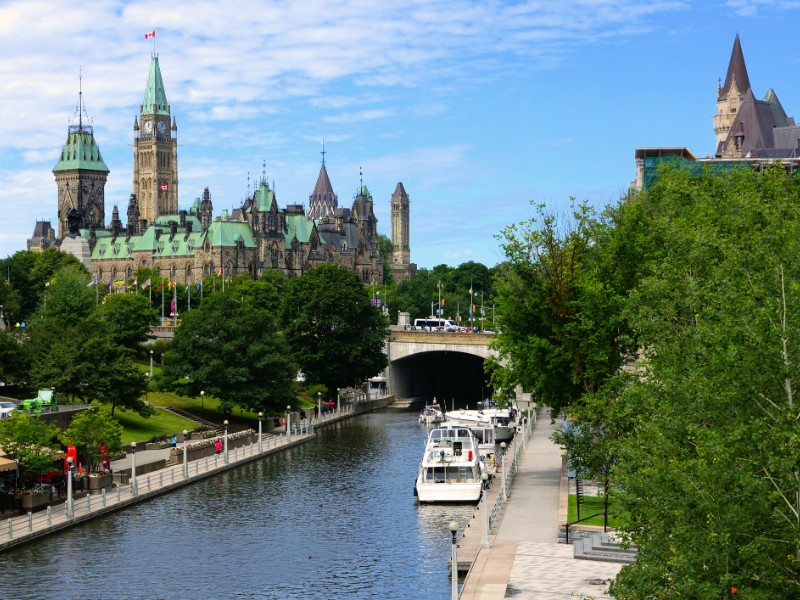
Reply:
x=338, y=401
x=485, y=509
x=185, y=464
x=288, y=423
x=70, y=507
x=260, y=443
x=225, y=422
x=151, y=365
x=503, y=447
x=453, y=527
x=319, y=404
x=134, y=487
x=202, y=394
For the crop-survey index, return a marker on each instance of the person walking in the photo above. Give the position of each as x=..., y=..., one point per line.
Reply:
x=218, y=446
x=174, y=441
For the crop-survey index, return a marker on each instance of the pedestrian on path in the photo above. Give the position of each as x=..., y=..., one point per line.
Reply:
x=174, y=441
x=218, y=446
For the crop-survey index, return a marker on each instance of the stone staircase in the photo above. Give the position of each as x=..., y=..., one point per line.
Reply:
x=603, y=547
x=194, y=418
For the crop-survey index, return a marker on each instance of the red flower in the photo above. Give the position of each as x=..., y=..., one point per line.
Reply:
x=734, y=589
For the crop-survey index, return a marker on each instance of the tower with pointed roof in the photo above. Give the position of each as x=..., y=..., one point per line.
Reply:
x=81, y=177
x=731, y=94
x=155, y=151
x=323, y=201
x=748, y=127
x=400, y=266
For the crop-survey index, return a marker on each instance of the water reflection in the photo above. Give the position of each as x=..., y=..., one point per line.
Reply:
x=334, y=518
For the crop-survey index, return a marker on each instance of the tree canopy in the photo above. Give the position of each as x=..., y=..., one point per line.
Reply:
x=332, y=327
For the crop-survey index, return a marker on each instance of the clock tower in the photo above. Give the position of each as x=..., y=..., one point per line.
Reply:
x=81, y=178
x=155, y=151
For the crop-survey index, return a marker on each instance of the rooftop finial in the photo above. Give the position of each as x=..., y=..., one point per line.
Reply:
x=248, y=184
x=323, y=152
x=264, y=172
x=361, y=179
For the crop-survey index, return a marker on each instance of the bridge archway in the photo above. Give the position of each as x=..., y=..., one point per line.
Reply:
x=448, y=376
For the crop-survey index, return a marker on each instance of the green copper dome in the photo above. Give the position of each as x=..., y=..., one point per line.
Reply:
x=80, y=152
x=155, y=98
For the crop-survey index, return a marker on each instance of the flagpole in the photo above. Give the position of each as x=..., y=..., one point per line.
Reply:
x=162, y=302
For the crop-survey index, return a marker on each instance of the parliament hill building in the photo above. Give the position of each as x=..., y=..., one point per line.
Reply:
x=188, y=245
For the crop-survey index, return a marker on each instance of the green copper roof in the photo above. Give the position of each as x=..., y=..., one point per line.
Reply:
x=300, y=227
x=80, y=152
x=263, y=199
x=155, y=98
x=228, y=233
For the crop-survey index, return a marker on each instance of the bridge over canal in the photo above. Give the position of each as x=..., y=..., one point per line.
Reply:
x=447, y=365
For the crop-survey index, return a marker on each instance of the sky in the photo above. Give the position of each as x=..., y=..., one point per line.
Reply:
x=480, y=108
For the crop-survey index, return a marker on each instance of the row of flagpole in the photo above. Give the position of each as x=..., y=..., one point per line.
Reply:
x=112, y=285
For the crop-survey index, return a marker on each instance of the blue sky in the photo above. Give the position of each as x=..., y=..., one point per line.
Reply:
x=477, y=107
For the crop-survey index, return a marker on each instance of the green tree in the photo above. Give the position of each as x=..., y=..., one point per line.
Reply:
x=29, y=439
x=332, y=327
x=231, y=349
x=95, y=434
x=708, y=479
x=128, y=318
x=14, y=358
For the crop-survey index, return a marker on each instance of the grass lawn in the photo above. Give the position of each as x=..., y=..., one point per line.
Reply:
x=138, y=429
x=590, y=506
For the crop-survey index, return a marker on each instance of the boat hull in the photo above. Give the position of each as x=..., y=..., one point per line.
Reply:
x=449, y=492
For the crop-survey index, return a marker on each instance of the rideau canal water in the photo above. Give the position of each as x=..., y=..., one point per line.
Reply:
x=332, y=518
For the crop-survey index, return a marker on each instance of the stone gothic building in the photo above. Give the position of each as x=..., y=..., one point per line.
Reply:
x=187, y=245
x=748, y=131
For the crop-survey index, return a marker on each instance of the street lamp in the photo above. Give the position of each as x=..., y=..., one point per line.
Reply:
x=503, y=447
x=225, y=422
x=134, y=487
x=453, y=527
x=338, y=401
x=319, y=404
x=485, y=509
x=260, y=444
x=70, y=507
x=151, y=365
x=288, y=423
x=202, y=394
x=185, y=464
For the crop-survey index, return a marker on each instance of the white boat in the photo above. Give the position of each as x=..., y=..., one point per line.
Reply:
x=500, y=419
x=432, y=413
x=451, y=468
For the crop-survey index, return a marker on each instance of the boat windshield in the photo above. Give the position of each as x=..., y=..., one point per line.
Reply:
x=450, y=433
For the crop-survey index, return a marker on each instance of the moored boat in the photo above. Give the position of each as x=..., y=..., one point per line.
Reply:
x=432, y=413
x=451, y=467
x=502, y=420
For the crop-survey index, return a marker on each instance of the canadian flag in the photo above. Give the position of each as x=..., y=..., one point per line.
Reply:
x=221, y=271
x=150, y=34
x=164, y=187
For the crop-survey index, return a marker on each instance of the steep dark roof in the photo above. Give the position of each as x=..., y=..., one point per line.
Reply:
x=322, y=201
x=736, y=68
x=399, y=191
x=755, y=121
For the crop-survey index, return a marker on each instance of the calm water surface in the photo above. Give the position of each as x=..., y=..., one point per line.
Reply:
x=333, y=518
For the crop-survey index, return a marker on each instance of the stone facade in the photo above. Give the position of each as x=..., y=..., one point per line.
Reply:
x=187, y=245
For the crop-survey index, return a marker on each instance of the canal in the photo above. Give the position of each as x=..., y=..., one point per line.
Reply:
x=332, y=518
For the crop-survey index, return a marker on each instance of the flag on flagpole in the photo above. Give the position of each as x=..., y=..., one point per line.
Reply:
x=119, y=282
x=163, y=187
x=146, y=284
x=92, y=282
x=221, y=271
x=159, y=286
x=198, y=286
x=150, y=34
x=108, y=287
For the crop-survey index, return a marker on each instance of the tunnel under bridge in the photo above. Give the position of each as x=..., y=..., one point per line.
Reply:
x=445, y=365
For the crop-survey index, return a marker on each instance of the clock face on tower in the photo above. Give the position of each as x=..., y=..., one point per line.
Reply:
x=148, y=126
x=162, y=127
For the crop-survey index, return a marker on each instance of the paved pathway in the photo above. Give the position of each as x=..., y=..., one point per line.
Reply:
x=525, y=559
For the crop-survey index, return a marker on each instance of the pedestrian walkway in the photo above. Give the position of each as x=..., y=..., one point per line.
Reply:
x=524, y=560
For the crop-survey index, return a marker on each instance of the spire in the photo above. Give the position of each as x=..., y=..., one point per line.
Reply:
x=155, y=98
x=736, y=70
x=323, y=151
x=322, y=201
x=80, y=151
